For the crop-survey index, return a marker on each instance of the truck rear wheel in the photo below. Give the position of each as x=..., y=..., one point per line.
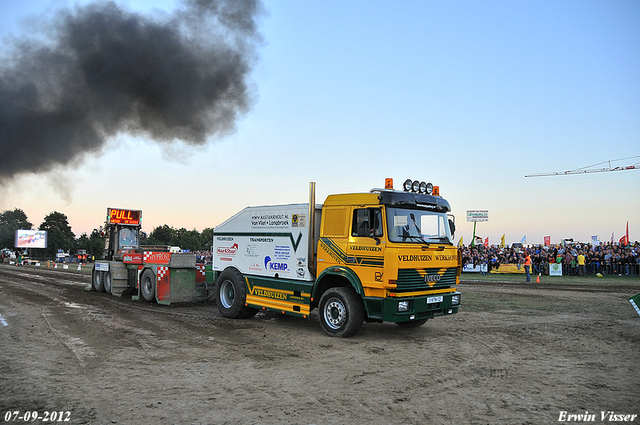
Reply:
x=341, y=312
x=412, y=323
x=96, y=281
x=231, y=295
x=148, y=285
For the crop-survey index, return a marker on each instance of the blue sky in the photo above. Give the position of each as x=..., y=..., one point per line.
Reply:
x=471, y=96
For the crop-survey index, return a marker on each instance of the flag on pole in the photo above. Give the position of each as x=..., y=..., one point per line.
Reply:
x=624, y=240
x=626, y=235
x=502, y=241
x=612, y=237
x=460, y=243
x=523, y=240
x=486, y=242
x=547, y=241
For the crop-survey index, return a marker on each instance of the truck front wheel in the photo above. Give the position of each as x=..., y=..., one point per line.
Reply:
x=231, y=295
x=341, y=312
x=148, y=285
x=96, y=281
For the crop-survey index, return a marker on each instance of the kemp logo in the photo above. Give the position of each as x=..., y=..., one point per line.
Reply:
x=271, y=265
x=227, y=250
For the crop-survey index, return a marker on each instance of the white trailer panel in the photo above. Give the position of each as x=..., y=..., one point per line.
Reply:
x=265, y=241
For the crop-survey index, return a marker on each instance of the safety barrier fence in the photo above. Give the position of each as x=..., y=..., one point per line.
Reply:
x=632, y=269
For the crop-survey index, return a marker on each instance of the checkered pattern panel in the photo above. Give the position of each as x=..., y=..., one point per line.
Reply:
x=200, y=269
x=162, y=272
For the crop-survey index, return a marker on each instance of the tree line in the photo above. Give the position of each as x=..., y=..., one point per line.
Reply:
x=60, y=236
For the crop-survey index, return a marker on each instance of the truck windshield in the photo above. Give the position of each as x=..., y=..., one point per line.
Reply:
x=417, y=226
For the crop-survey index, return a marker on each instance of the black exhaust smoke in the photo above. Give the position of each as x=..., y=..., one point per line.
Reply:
x=100, y=70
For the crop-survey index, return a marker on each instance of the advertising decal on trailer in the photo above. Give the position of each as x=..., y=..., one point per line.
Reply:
x=265, y=241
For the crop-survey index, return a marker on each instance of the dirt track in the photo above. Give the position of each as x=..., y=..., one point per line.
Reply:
x=513, y=355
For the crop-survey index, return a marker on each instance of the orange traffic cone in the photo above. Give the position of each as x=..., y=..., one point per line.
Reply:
x=538, y=279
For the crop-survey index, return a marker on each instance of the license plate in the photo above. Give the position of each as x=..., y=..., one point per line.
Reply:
x=433, y=300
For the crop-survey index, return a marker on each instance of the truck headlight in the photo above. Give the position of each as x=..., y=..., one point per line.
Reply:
x=455, y=299
x=403, y=306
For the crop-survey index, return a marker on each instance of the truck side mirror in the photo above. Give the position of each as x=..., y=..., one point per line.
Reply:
x=452, y=227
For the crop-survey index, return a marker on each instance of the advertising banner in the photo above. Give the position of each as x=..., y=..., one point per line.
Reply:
x=508, y=268
x=477, y=215
x=555, y=269
x=472, y=268
x=31, y=239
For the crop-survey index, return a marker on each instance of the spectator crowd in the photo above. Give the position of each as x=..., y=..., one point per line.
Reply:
x=203, y=257
x=576, y=258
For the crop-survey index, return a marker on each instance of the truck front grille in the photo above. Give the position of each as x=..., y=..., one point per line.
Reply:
x=410, y=280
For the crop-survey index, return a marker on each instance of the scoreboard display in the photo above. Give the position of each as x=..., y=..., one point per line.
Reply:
x=126, y=217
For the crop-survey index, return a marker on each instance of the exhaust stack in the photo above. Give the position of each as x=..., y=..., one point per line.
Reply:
x=311, y=259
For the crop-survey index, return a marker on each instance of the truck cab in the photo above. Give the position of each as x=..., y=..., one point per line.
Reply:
x=395, y=249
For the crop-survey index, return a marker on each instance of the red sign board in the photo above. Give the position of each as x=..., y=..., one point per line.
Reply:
x=118, y=216
x=153, y=257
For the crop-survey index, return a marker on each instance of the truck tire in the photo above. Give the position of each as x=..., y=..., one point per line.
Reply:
x=107, y=282
x=341, y=312
x=231, y=295
x=96, y=281
x=148, y=285
x=412, y=323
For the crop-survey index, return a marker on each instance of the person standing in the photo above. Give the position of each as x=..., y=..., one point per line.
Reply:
x=527, y=265
x=581, y=263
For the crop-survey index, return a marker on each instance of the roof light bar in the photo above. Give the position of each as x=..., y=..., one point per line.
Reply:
x=417, y=186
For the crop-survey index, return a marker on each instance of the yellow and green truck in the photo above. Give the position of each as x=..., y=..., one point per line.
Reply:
x=380, y=256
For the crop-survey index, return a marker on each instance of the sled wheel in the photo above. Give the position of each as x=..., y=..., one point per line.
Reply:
x=341, y=312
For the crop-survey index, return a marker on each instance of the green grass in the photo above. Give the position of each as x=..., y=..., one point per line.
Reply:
x=606, y=280
x=486, y=299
